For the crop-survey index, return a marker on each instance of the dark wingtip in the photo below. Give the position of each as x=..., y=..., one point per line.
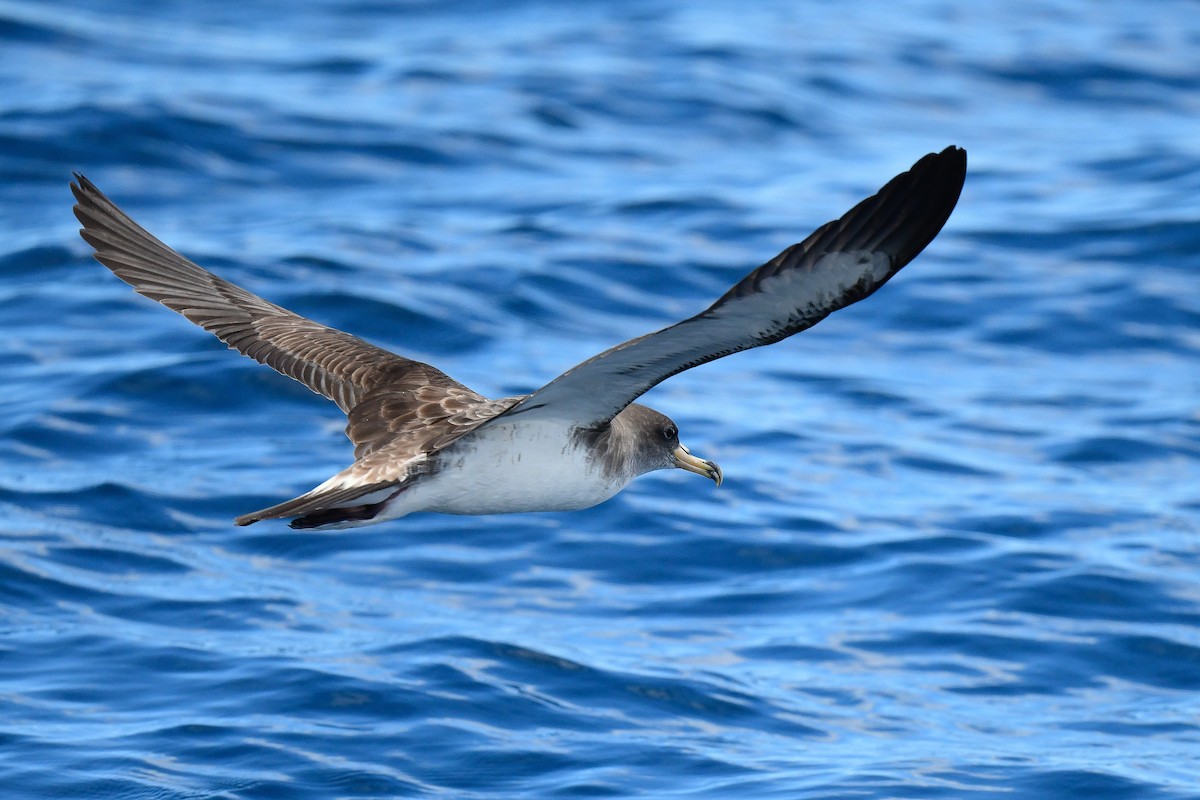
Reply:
x=86, y=195
x=953, y=151
x=953, y=162
x=77, y=187
x=81, y=186
x=923, y=199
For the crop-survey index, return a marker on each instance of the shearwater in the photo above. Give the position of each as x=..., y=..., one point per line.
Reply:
x=424, y=442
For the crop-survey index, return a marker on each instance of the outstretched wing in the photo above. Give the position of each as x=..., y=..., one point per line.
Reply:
x=337, y=365
x=840, y=263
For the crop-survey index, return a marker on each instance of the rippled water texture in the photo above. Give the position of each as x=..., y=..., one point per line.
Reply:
x=958, y=550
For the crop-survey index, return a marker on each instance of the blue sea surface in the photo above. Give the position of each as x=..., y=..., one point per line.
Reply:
x=957, y=554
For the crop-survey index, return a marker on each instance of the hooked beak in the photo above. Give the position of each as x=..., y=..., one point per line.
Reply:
x=685, y=460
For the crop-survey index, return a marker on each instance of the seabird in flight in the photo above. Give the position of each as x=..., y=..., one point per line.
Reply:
x=424, y=442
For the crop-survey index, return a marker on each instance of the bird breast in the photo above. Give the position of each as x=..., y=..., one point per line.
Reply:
x=510, y=468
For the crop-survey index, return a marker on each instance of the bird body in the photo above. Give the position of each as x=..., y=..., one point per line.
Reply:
x=511, y=467
x=500, y=469
x=540, y=466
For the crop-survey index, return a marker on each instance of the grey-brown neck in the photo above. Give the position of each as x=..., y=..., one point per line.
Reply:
x=636, y=441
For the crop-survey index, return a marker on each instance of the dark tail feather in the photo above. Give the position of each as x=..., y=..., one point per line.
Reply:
x=318, y=504
x=335, y=516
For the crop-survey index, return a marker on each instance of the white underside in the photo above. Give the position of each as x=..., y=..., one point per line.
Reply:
x=505, y=469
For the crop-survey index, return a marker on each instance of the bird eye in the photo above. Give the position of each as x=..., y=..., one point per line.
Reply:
x=670, y=432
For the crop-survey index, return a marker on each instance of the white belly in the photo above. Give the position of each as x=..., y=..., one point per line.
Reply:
x=505, y=469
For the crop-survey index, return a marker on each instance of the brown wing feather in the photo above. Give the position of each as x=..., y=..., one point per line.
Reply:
x=332, y=363
x=430, y=415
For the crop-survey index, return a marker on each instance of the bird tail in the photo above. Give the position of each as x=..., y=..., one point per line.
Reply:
x=329, y=507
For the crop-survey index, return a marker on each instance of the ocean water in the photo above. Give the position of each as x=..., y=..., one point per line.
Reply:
x=958, y=550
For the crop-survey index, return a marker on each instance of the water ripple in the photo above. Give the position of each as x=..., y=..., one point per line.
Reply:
x=955, y=554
